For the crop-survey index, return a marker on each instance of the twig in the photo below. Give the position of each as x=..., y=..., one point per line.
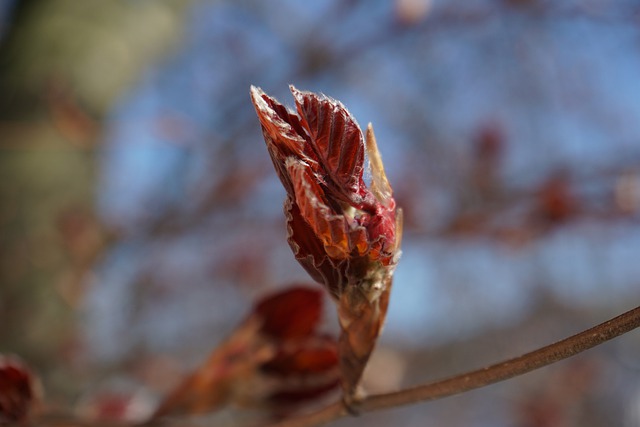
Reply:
x=479, y=378
x=508, y=369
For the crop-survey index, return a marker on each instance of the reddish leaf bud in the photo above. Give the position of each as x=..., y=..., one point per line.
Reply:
x=345, y=234
x=339, y=229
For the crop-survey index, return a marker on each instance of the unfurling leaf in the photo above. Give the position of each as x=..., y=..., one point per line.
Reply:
x=345, y=234
x=20, y=390
x=275, y=359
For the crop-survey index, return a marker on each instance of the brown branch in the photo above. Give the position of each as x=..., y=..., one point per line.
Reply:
x=479, y=378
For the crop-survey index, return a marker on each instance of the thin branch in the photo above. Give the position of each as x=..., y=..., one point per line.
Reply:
x=508, y=369
x=479, y=378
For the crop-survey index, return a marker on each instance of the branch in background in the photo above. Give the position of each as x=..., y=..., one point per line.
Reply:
x=479, y=378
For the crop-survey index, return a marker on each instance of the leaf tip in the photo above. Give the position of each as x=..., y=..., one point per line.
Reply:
x=380, y=184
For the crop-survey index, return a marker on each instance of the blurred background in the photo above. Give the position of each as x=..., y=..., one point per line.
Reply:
x=140, y=215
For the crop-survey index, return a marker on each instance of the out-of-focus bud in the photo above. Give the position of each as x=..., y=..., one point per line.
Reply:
x=276, y=359
x=20, y=391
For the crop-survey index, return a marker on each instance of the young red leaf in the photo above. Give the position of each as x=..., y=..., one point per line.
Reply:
x=293, y=314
